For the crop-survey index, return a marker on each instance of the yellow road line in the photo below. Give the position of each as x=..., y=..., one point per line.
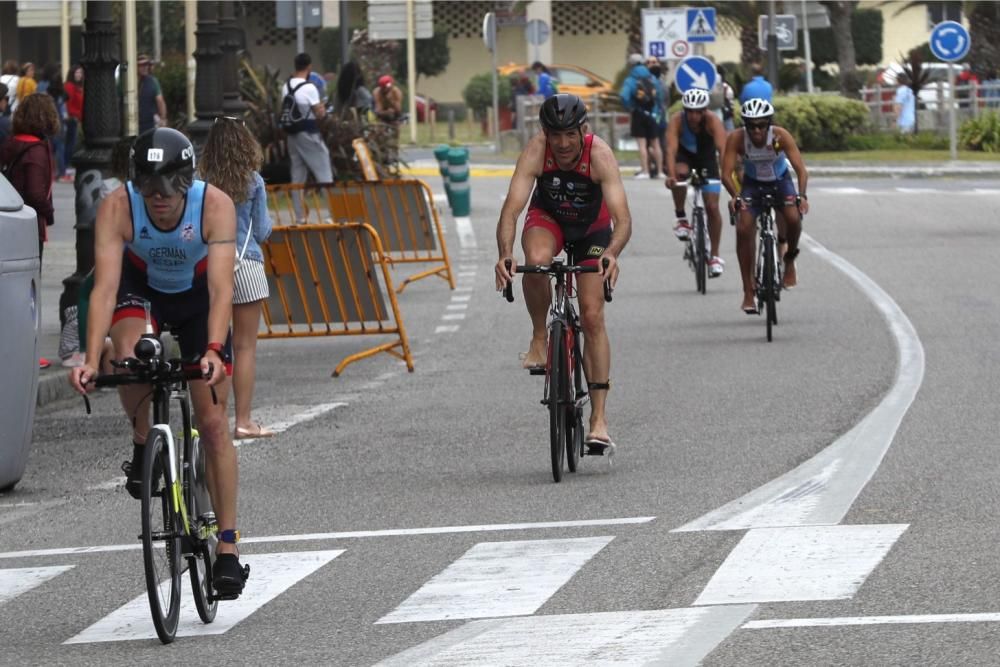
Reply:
x=481, y=171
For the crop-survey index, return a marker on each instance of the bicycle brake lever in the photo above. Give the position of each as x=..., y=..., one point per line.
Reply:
x=508, y=290
x=211, y=388
x=86, y=403
x=607, y=282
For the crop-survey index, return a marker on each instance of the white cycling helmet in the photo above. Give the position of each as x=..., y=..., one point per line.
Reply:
x=756, y=108
x=695, y=98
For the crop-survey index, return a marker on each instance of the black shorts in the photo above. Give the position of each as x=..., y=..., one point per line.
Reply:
x=697, y=161
x=644, y=126
x=184, y=313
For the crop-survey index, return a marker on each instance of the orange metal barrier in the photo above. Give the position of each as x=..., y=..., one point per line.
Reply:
x=401, y=211
x=365, y=159
x=323, y=281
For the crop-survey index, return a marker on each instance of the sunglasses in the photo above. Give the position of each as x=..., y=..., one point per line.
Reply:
x=758, y=125
x=165, y=185
x=234, y=119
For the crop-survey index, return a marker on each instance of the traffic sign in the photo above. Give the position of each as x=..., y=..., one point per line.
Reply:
x=664, y=33
x=701, y=24
x=785, y=29
x=387, y=20
x=695, y=72
x=536, y=32
x=950, y=41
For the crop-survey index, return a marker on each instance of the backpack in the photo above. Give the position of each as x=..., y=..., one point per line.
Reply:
x=291, y=119
x=645, y=95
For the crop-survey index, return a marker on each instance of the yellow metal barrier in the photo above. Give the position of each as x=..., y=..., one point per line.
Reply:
x=365, y=159
x=323, y=281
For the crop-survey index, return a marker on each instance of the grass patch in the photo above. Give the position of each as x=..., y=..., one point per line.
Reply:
x=899, y=155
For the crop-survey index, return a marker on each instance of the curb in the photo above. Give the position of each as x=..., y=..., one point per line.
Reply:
x=53, y=386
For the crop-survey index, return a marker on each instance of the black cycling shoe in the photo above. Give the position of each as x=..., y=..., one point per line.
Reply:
x=228, y=576
x=133, y=470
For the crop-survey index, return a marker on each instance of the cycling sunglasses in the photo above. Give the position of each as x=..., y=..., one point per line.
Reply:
x=758, y=125
x=165, y=185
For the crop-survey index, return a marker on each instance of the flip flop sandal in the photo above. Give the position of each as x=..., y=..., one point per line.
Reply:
x=256, y=431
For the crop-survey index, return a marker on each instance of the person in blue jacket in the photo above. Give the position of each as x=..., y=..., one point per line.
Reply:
x=642, y=95
x=757, y=87
x=546, y=88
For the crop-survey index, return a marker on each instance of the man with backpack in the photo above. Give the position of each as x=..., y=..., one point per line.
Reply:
x=301, y=108
x=642, y=95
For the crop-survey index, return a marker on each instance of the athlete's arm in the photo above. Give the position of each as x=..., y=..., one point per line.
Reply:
x=604, y=171
x=718, y=131
x=795, y=157
x=220, y=235
x=528, y=168
x=112, y=230
x=729, y=157
x=673, y=137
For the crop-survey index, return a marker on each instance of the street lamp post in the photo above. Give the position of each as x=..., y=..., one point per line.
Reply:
x=231, y=43
x=101, y=131
x=208, y=76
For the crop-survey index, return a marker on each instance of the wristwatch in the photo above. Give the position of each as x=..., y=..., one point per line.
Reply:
x=215, y=347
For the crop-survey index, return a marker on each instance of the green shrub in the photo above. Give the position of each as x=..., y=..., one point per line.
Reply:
x=478, y=93
x=821, y=122
x=982, y=133
x=893, y=141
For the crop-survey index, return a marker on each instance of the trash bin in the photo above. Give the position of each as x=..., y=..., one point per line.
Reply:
x=20, y=286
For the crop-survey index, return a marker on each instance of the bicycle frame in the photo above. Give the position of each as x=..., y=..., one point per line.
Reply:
x=696, y=257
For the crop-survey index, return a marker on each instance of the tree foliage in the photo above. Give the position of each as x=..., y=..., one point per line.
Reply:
x=433, y=54
x=866, y=27
x=329, y=49
x=478, y=93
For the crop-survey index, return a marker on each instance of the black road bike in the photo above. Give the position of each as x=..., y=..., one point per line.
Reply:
x=697, y=248
x=566, y=388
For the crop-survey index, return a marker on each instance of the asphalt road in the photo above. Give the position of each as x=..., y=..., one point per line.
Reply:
x=704, y=411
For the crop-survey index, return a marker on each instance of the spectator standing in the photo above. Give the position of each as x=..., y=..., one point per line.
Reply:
x=152, y=107
x=352, y=93
x=74, y=109
x=905, y=105
x=57, y=92
x=4, y=114
x=308, y=153
x=757, y=87
x=26, y=84
x=642, y=96
x=9, y=78
x=656, y=71
x=388, y=100
x=546, y=86
x=231, y=160
x=520, y=85
x=728, y=95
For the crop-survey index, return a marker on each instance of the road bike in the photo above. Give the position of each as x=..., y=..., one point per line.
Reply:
x=770, y=269
x=566, y=390
x=698, y=237
x=177, y=517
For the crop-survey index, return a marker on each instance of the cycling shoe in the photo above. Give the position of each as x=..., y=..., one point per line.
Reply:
x=228, y=576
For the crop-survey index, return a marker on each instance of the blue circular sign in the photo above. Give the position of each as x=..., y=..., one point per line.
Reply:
x=695, y=72
x=950, y=41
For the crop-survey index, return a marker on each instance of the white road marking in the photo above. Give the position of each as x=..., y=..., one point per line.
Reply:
x=356, y=534
x=19, y=580
x=300, y=418
x=468, y=267
x=821, y=490
x=466, y=235
x=659, y=637
x=842, y=191
x=446, y=328
x=461, y=297
x=870, y=620
x=466, y=274
x=801, y=563
x=270, y=575
x=453, y=316
x=463, y=288
x=498, y=579
x=440, y=198
x=917, y=191
x=457, y=306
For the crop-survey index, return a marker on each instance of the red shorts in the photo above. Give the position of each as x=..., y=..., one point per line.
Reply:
x=584, y=244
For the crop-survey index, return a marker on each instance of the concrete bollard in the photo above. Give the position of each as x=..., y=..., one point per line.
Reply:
x=441, y=155
x=458, y=178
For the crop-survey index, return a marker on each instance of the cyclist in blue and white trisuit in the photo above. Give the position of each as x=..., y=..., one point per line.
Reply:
x=169, y=241
x=694, y=137
x=763, y=148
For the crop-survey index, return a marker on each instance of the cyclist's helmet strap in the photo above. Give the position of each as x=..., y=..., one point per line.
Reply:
x=229, y=536
x=562, y=112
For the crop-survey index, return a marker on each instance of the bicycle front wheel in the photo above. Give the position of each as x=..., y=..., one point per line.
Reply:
x=557, y=390
x=700, y=263
x=770, y=286
x=161, y=544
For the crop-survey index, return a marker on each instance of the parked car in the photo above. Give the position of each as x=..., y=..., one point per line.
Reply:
x=929, y=93
x=570, y=79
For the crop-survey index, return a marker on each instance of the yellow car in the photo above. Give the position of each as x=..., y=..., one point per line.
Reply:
x=570, y=79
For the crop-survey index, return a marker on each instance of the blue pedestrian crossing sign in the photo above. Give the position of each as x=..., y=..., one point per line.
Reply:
x=695, y=72
x=950, y=41
x=701, y=24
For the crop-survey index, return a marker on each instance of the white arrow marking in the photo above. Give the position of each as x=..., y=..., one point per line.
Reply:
x=698, y=80
x=16, y=581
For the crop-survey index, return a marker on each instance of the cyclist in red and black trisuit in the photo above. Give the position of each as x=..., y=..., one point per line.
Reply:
x=579, y=205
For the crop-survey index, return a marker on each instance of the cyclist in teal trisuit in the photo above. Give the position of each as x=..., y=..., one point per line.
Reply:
x=578, y=204
x=168, y=240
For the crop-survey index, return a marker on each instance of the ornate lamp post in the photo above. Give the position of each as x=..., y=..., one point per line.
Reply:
x=208, y=77
x=231, y=44
x=101, y=131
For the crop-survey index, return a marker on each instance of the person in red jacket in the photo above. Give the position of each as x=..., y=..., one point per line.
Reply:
x=74, y=107
x=26, y=160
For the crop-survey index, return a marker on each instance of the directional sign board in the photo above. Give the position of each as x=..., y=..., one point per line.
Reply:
x=695, y=72
x=785, y=29
x=701, y=24
x=536, y=32
x=387, y=19
x=664, y=33
x=950, y=41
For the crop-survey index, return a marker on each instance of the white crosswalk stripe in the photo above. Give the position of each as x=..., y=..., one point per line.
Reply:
x=15, y=581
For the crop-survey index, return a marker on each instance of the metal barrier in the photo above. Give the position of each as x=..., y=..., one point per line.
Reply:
x=323, y=281
x=365, y=159
x=402, y=211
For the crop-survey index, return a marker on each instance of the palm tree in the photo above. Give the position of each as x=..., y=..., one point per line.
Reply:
x=744, y=16
x=843, y=40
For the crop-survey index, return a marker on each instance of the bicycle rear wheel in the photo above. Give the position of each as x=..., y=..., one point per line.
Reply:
x=557, y=382
x=573, y=412
x=700, y=263
x=770, y=286
x=161, y=544
x=205, y=531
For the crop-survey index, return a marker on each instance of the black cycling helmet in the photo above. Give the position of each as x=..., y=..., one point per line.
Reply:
x=562, y=112
x=162, y=160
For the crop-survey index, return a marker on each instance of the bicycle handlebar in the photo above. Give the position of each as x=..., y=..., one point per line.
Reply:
x=555, y=269
x=164, y=372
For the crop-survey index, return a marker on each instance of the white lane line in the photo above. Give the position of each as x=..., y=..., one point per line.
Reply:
x=842, y=191
x=917, y=191
x=466, y=274
x=457, y=306
x=463, y=288
x=270, y=575
x=871, y=620
x=468, y=267
x=821, y=490
x=453, y=316
x=446, y=328
x=498, y=579
x=300, y=418
x=659, y=637
x=802, y=563
x=440, y=198
x=458, y=298
x=466, y=236
x=19, y=580
x=357, y=534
